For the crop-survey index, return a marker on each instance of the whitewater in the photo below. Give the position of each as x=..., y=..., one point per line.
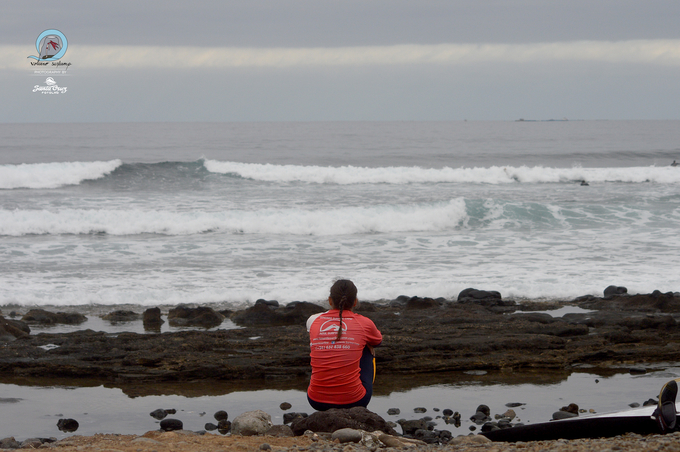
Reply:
x=162, y=214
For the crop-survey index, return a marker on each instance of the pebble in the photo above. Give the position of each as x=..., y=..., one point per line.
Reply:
x=347, y=435
x=221, y=415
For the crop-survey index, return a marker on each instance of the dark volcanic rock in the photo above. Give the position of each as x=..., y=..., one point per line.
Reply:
x=221, y=415
x=159, y=414
x=11, y=330
x=421, y=303
x=152, y=319
x=67, y=425
x=409, y=427
x=121, y=316
x=454, y=337
x=169, y=425
x=202, y=316
x=358, y=418
x=263, y=314
x=487, y=298
x=290, y=417
x=614, y=290
x=50, y=318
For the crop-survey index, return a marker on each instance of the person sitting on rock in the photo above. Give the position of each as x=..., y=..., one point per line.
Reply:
x=341, y=343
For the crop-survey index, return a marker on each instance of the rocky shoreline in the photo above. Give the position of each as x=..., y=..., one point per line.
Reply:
x=477, y=332
x=421, y=335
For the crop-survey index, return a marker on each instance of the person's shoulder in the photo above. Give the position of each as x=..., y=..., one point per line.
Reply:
x=312, y=318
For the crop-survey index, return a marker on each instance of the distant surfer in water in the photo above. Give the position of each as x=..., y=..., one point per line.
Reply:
x=674, y=163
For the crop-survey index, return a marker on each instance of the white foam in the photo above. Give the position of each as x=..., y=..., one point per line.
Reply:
x=53, y=175
x=347, y=220
x=346, y=175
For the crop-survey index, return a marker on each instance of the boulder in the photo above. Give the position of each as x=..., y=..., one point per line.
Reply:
x=202, y=316
x=610, y=291
x=50, y=318
x=152, y=319
x=262, y=314
x=251, y=423
x=488, y=298
x=421, y=303
x=358, y=418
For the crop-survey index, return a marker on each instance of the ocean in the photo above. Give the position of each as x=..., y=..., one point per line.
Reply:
x=148, y=214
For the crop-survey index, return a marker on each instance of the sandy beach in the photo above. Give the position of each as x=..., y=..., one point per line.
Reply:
x=192, y=442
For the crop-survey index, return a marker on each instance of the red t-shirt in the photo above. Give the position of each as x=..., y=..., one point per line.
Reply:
x=335, y=365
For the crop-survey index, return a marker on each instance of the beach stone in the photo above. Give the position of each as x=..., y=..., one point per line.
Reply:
x=261, y=314
x=347, y=435
x=393, y=411
x=610, y=291
x=67, y=425
x=251, y=423
x=9, y=443
x=285, y=406
x=427, y=436
x=281, y=431
x=265, y=446
x=290, y=417
x=510, y=414
x=224, y=426
x=121, y=316
x=31, y=443
x=159, y=414
x=514, y=404
x=480, y=418
x=447, y=412
x=44, y=317
x=409, y=427
x=420, y=410
x=358, y=418
x=557, y=415
x=169, y=425
x=202, y=316
x=209, y=426
x=221, y=415
x=571, y=408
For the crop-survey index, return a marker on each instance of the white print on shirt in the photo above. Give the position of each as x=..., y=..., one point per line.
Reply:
x=332, y=326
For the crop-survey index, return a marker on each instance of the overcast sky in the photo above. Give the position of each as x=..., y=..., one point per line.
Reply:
x=290, y=60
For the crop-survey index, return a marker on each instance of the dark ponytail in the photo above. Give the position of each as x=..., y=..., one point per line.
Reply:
x=343, y=294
